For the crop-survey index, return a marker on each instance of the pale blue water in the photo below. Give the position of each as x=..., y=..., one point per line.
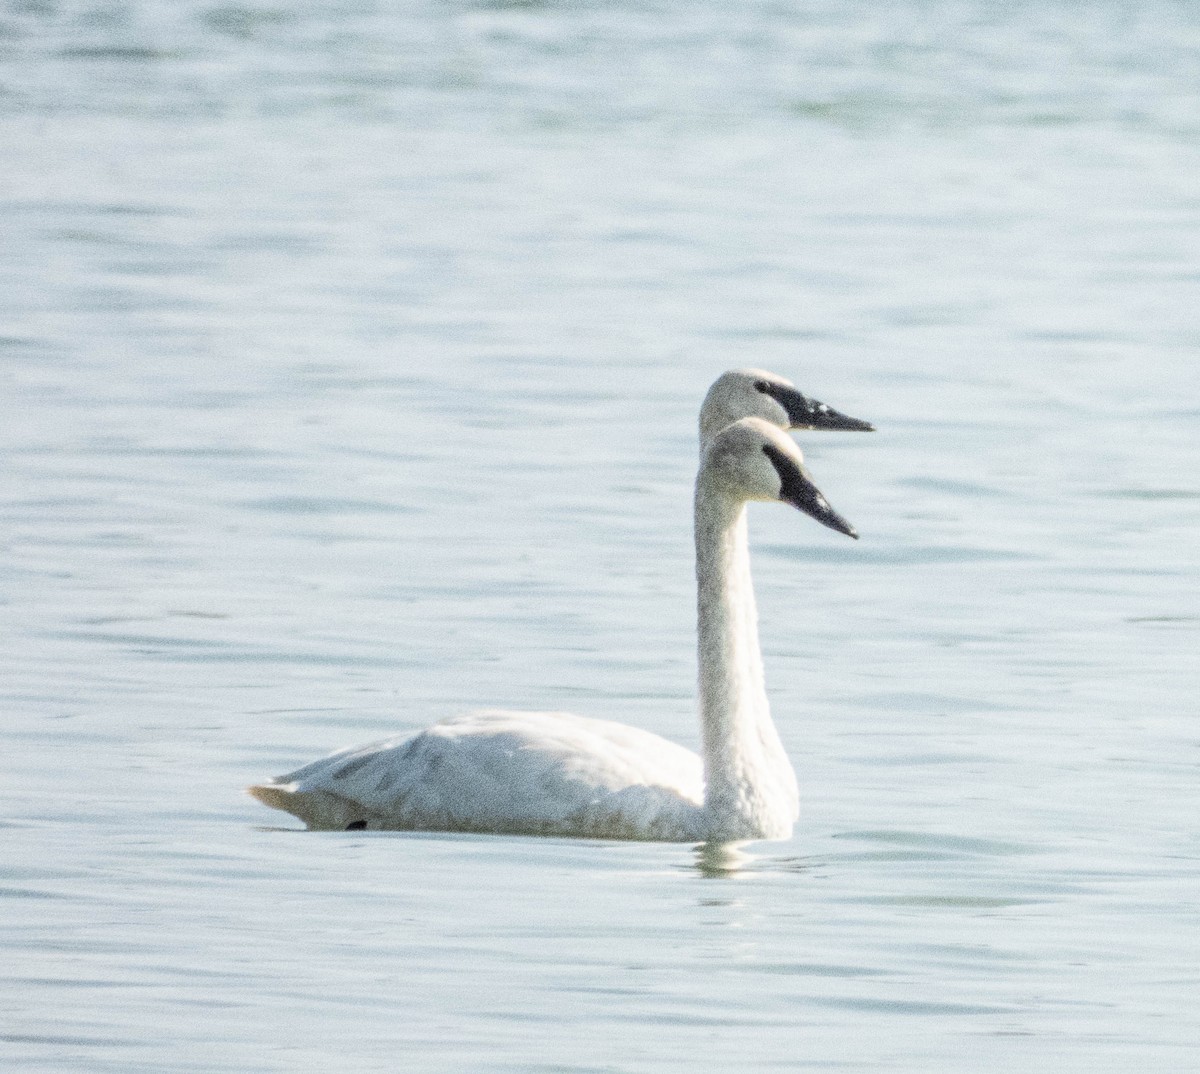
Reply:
x=350, y=361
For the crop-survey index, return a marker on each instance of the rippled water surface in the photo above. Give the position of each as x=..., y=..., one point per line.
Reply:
x=350, y=356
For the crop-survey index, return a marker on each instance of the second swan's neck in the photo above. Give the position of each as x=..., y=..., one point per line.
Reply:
x=750, y=788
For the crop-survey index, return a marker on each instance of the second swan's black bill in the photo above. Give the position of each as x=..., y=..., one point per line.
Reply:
x=806, y=413
x=799, y=490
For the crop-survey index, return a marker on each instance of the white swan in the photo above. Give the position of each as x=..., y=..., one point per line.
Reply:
x=548, y=773
x=756, y=393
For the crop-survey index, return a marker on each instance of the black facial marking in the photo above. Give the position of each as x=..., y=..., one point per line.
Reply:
x=796, y=488
x=357, y=826
x=806, y=413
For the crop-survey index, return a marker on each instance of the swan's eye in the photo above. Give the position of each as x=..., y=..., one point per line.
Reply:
x=762, y=386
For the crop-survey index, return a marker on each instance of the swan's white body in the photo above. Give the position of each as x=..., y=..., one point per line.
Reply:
x=528, y=773
x=551, y=773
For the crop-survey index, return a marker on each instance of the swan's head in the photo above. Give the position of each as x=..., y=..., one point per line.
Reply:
x=753, y=460
x=755, y=393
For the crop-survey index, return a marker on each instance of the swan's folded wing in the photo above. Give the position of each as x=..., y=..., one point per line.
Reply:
x=516, y=772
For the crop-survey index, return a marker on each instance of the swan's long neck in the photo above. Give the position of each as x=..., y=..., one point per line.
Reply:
x=750, y=788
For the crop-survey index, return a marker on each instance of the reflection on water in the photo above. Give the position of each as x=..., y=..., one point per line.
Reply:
x=350, y=364
x=715, y=860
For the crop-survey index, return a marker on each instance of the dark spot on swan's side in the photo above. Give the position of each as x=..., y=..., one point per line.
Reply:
x=357, y=826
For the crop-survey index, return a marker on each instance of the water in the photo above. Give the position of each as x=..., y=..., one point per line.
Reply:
x=350, y=361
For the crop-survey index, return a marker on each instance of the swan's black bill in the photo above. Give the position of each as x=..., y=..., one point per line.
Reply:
x=798, y=490
x=806, y=413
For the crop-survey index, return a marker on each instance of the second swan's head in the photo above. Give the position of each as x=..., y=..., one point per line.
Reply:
x=752, y=460
x=755, y=393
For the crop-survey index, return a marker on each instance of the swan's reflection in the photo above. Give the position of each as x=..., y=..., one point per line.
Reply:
x=715, y=861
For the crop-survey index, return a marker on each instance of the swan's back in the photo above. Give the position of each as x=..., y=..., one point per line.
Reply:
x=533, y=773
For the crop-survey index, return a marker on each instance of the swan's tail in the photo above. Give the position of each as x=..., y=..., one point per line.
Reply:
x=320, y=810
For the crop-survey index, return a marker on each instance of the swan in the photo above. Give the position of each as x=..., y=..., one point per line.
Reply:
x=757, y=393
x=552, y=773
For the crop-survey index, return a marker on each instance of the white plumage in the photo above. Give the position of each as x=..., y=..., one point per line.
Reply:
x=553, y=773
x=534, y=773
